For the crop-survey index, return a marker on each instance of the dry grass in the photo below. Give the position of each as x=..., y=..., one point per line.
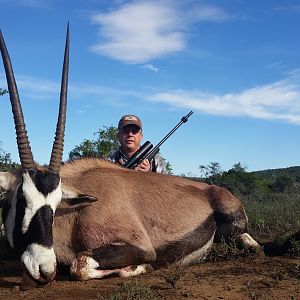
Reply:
x=130, y=291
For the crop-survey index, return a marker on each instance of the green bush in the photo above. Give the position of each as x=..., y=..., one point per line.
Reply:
x=282, y=184
x=272, y=214
x=236, y=179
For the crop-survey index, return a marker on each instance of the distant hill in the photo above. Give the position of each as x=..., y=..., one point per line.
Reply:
x=271, y=174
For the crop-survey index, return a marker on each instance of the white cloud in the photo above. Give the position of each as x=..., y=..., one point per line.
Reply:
x=151, y=67
x=278, y=65
x=42, y=89
x=277, y=101
x=140, y=31
x=288, y=8
x=34, y=88
x=29, y=3
x=205, y=12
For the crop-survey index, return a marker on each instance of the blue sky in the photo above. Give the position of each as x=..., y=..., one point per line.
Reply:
x=235, y=63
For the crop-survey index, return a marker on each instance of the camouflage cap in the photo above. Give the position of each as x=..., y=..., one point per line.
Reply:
x=129, y=120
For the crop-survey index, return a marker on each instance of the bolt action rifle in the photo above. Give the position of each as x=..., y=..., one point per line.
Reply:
x=146, y=151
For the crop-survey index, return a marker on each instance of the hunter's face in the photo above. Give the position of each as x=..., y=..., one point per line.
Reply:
x=130, y=138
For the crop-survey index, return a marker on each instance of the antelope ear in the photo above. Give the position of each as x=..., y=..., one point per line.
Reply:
x=81, y=199
x=72, y=196
x=7, y=180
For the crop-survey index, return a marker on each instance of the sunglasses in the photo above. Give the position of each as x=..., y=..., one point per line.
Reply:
x=132, y=129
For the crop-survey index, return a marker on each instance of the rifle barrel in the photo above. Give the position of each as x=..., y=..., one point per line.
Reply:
x=184, y=119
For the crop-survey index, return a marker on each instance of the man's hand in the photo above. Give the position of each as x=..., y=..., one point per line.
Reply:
x=144, y=165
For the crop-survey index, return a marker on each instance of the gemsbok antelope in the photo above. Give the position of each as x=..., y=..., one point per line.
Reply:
x=102, y=219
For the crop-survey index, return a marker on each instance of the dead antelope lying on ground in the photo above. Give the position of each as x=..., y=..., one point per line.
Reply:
x=108, y=220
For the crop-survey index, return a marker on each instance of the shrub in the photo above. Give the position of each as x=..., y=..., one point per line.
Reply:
x=271, y=215
x=282, y=184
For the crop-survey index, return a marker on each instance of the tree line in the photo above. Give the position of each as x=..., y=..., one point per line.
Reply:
x=242, y=183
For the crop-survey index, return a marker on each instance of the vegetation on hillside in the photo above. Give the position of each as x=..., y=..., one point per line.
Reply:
x=242, y=183
x=271, y=197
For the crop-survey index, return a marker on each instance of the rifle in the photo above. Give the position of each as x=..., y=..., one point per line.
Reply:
x=145, y=152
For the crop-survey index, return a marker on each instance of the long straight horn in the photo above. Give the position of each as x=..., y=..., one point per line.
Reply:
x=25, y=153
x=58, y=145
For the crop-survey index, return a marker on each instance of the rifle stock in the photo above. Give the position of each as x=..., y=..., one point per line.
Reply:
x=138, y=156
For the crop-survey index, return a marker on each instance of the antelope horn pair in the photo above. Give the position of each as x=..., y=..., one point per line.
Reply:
x=24, y=148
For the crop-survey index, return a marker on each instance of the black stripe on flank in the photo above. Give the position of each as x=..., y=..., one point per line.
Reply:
x=121, y=255
x=191, y=242
x=116, y=256
x=45, y=182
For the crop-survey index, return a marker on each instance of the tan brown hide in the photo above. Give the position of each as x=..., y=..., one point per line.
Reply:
x=161, y=215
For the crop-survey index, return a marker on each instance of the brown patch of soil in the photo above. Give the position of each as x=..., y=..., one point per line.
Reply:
x=246, y=278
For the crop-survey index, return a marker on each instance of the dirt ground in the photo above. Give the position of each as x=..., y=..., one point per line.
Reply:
x=245, y=278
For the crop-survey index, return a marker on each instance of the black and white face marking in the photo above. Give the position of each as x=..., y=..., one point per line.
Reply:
x=29, y=221
x=39, y=189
